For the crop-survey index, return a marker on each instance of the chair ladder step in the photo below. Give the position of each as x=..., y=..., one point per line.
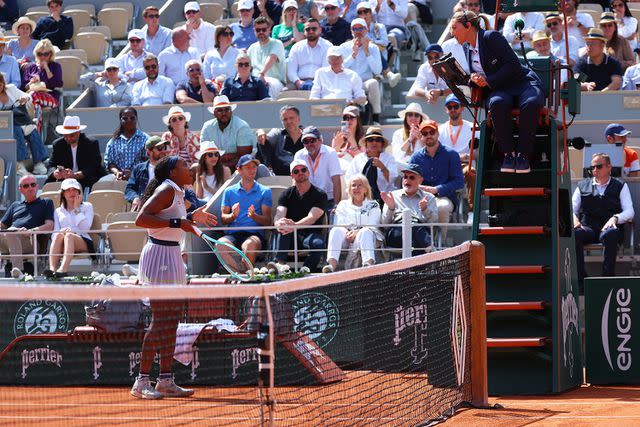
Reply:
x=516, y=306
x=516, y=342
x=515, y=269
x=520, y=230
x=517, y=192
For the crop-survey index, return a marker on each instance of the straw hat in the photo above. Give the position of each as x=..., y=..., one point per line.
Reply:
x=208, y=147
x=373, y=132
x=70, y=125
x=21, y=21
x=607, y=17
x=595, y=34
x=414, y=107
x=539, y=35
x=176, y=111
x=38, y=87
x=221, y=101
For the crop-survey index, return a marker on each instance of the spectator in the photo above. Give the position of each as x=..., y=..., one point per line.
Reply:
x=334, y=27
x=74, y=155
x=363, y=57
x=289, y=30
x=22, y=47
x=232, y=133
x=392, y=14
x=346, y=141
x=155, y=89
x=457, y=51
x=182, y=142
x=456, y=134
x=617, y=47
x=277, y=148
x=558, y=44
x=533, y=21
x=72, y=221
x=143, y=172
x=210, y=173
x=173, y=59
x=29, y=214
x=336, y=81
x=157, y=38
x=9, y=11
x=486, y=21
x=323, y=164
x=108, y=87
x=219, y=62
x=11, y=98
x=349, y=9
x=601, y=206
x=243, y=33
x=125, y=149
x=267, y=58
x=355, y=226
x=300, y=205
x=131, y=62
x=307, y=56
x=631, y=78
x=615, y=133
x=56, y=27
x=308, y=9
x=271, y=10
x=440, y=169
x=244, y=86
x=195, y=89
x=578, y=23
x=200, y=31
x=407, y=140
x=246, y=204
x=541, y=44
x=422, y=205
x=427, y=85
x=603, y=72
x=377, y=165
x=42, y=78
x=424, y=9
x=627, y=24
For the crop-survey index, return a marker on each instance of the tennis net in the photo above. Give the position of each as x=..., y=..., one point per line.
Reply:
x=401, y=343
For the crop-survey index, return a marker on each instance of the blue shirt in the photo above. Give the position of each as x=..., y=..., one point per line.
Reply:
x=243, y=37
x=11, y=70
x=29, y=215
x=161, y=91
x=258, y=196
x=20, y=53
x=159, y=42
x=442, y=171
x=236, y=134
x=253, y=89
x=126, y=153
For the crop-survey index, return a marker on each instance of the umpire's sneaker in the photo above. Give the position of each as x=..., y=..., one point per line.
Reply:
x=143, y=389
x=522, y=164
x=168, y=388
x=508, y=164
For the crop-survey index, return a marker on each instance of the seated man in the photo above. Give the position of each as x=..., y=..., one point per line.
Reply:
x=246, y=204
x=109, y=88
x=30, y=214
x=243, y=34
x=300, y=205
x=558, y=45
x=172, y=60
x=533, y=21
x=441, y=170
x=131, y=62
x=57, y=27
x=201, y=33
x=427, y=84
x=336, y=81
x=74, y=155
x=307, y=56
x=157, y=38
x=8, y=65
x=195, y=89
x=603, y=71
x=422, y=205
x=232, y=134
x=616, y=133
x=267, y=58
x=155, y=89
x=334, y=27
x=126, y=148
x=601, y=205
x=142, y=173
x=277, y=148
x=631, y=78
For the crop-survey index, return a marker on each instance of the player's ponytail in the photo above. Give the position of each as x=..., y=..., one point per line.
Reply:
x=162, y=171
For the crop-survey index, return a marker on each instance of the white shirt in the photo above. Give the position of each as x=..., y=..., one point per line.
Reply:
x=631, y=78
x=367, y=66
x=626, y=28
x=397, y=141
x=426, y=80
x=558, y=49
x=461, y=145
x=358, y=162
x=128, y=62
x=454, y=48
x=328, y=84
x=304, y=60
x=203, y=37
x=79, y=221
x=215, y=65
x=369, y=214
x=475, y=59
x=533, y=21
x=171, y=63
x=390, y=17
x=325, y=166
x=625, y=201
x=161, y=91
x=74, y=155
x=587, y=21
x=151, y=170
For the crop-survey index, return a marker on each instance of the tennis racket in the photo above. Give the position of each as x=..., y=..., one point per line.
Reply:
x=232, y=259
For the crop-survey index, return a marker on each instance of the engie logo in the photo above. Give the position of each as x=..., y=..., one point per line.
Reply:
x=622, y=314
x=40, y=317
x=316, y=316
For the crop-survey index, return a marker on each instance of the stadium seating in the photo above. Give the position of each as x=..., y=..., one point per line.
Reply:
x=110, y=185
x=79, y=53
x=53, y=196
x=53, y=186
x=5, y=171
x=211, y=12
x=81, y=18
x=94, y=44
x=72, y=67
x=107, y=201
x=129, y=7
x=117, y=19
x=121, y=216
x=124, y=246
x=88, y=7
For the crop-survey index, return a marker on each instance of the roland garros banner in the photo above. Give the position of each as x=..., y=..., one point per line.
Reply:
x=612, y=330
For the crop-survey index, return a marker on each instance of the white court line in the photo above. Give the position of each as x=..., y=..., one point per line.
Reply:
x=62, y=417
x=205, y=405
x=566, y=417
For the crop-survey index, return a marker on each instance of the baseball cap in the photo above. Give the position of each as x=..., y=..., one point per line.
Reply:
x=289, y=3
x=434, y=47
x=245, y=4
x=135, y=34
x=247, y=158
x=359, y=21
x=428, y=124
x=452, y=98
x=333, y=3
x=111, y=63
x=298, y=162
x=412, y=168
x=351, y=110
x=334, y=51
x=311, y=132
x=71, y=183
x=364, y=5
x=192, y=5
x=154, y=141
x=616, y=129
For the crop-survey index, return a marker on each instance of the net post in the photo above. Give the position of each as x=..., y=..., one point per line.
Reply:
x=406, y=234
x=271, y=402
x=479, y=381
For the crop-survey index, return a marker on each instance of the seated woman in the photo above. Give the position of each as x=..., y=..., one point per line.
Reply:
x=72, y=219
x=356, y=220
x=210, y=173
x=345, y=141
x=109, y=88
x=289, y=31
x=407, y=140
x=243, y=86
x=219, y=62
x=182, y=142
x=616, y=45
x=22, y=47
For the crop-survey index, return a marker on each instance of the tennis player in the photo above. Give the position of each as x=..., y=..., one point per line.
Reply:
x=165, y=217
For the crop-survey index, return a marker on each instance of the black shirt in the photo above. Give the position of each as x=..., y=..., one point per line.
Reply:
x=194, y=92
x=28, y=215
x=599, y=74
x=56, y=31
x=298, y=207
x=337, y=33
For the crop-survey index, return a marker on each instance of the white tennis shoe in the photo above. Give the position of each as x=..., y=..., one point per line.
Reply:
x=168, y=388
x=143, y=389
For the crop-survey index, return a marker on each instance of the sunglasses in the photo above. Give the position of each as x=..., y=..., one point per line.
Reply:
x=552, y=24
x=177, y=119
x=110, y=69
x=433, y=57
x=598, y=166
x=363, y=11
x=223, y=110
x=428, y=133
x=43, y=53
x=409, y=177
x=160, y=147
x=195, y=70
x=473, y=4
x=30, y=184
x=347, y=118
x=243, y=64
x=191, y=12
x=211, y=155
x=128, y=118
x=416, y=115
x=299, y=170
x=260, y=30
x=375, y=139
x=309, y=141
x=607, y=25
x=617, y=5
x=227, y=33
x=453, y=107
x=153, y=16
x=312, y=28
x=357, y=29
x=330, y=7
x=134, y=41
x=151, y=67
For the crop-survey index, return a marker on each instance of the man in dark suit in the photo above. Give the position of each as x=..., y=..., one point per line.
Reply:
x=495, y=67
x=75, y=155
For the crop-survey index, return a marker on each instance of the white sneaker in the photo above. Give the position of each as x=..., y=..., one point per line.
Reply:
x=21, y=170
x=470, y=218
x=327, y=269
x=39, y=169
x=168, y=388
x=369, y=263
x=143, y=389
x=16, y=273
x=393, y=78
x=128, y=270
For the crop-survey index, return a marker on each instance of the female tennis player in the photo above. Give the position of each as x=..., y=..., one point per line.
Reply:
x=164, y=215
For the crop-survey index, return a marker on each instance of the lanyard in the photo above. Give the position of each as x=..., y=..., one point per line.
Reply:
x=454, y=140
x=314, y=164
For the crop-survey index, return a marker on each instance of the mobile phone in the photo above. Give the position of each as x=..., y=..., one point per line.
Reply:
x=60, y=168
x=344, y=126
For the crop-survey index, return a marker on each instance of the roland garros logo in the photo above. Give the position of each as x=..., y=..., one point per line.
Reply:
x=316, y=316
x=40, y=317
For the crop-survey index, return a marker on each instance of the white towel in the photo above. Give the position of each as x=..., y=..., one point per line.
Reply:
x=187, y=333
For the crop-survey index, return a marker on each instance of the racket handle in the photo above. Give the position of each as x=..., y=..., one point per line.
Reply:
x=197, y=231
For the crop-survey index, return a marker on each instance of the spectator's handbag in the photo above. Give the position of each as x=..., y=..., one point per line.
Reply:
x=21, y=116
